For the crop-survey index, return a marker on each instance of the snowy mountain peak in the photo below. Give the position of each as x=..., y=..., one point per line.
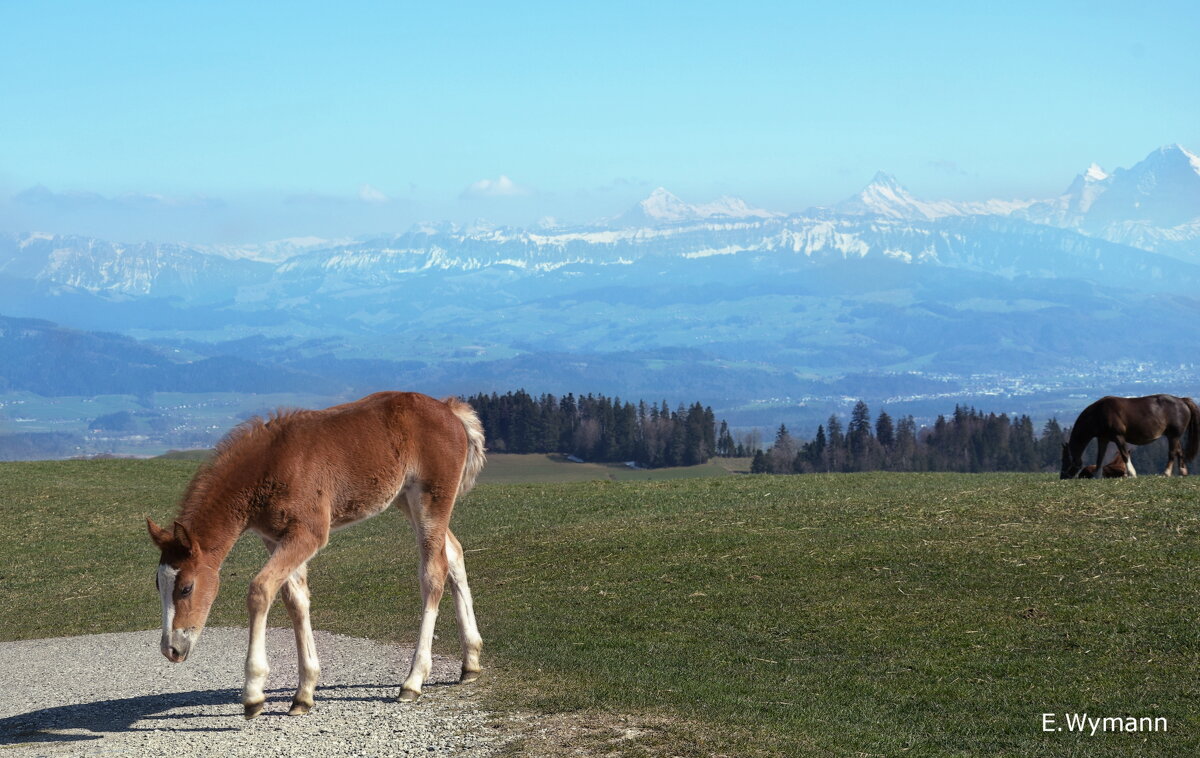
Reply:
x=1174, y=155
x=886, y=196
x=1154, y=205
x=1094, y=173
x=884, y=179
x=663, y=207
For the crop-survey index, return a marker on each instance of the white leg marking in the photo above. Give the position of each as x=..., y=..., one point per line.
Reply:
x=256, y=656
x=1129, y=466
x=306, y=649
x=468, y=631
x=422, y=660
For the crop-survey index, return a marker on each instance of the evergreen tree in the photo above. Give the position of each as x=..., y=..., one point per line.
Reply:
x=859, y=439
x=782, y=453
x=885, y=432
x=1050, y=446
x=835, y=445
x=725, y=445
x=759, y=464
x=815, y=452
x=905, y=454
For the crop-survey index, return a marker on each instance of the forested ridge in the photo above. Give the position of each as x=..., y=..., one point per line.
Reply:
x=966, y=441
x=598, y=428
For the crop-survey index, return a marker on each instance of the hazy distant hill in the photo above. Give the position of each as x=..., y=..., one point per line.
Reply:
x=41, y=357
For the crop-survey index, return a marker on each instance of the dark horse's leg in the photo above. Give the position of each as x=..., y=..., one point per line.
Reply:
x=1123, y=451
x=1175, y=456
x=1102, y=457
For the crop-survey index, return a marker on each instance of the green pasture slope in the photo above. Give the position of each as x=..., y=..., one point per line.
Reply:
x=506, y=468
x=874, y=614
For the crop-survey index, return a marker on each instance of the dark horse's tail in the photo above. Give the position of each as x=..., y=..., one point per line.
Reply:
x=1193, y=441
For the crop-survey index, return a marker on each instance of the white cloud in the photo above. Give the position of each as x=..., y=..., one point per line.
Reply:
x=369, y=194
x=502, y=187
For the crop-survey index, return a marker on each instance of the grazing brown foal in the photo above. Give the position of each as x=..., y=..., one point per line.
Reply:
x=293, y=479
x=1114, y=469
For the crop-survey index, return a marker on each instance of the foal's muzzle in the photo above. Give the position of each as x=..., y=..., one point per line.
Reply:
x=176, y=645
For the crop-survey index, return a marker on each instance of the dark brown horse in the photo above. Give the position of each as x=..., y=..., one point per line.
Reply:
x=1124, y=421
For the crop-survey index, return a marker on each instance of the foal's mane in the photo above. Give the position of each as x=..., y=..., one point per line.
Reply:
x=229, y=452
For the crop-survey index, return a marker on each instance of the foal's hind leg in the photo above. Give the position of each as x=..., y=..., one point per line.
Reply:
x=296, y=598
x=468, y=631
x=428, y=516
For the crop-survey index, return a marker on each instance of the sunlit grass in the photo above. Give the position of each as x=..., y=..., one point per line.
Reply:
x=876, y=614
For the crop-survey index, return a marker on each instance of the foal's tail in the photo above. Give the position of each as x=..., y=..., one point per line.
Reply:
x=475, y=443
x=1193, y=441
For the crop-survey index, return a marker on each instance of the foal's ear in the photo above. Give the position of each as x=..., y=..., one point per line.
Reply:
x=184, y=539
x=160, y=536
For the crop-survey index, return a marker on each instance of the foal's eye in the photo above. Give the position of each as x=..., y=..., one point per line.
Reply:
x=184, y=592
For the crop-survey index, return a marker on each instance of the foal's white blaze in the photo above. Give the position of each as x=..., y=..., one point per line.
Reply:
x=166, y=590
x=181, y=640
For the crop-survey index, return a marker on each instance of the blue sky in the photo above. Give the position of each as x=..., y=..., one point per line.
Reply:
x=255, y=121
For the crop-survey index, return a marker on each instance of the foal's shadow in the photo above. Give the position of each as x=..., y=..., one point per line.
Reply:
x=48, y=724
x=120, y=715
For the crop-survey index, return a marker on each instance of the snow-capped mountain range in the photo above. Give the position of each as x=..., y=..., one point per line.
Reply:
x=1153, y=207
x=662, y=207
x=883, y=281
x=886, y=197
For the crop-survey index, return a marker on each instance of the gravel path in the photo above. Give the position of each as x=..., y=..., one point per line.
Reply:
x=114, y=694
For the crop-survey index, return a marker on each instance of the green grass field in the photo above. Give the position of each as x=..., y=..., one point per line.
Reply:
x=874, y=614
x=505, y=468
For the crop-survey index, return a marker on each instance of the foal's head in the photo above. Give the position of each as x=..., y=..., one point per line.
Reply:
x=1070, y=466
x=187, y=583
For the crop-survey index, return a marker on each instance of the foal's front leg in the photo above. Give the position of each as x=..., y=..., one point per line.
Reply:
x=291, y=553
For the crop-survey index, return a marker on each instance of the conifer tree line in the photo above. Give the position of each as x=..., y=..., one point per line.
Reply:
x=597, y=428
x=602, y=429
x=968, y=441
